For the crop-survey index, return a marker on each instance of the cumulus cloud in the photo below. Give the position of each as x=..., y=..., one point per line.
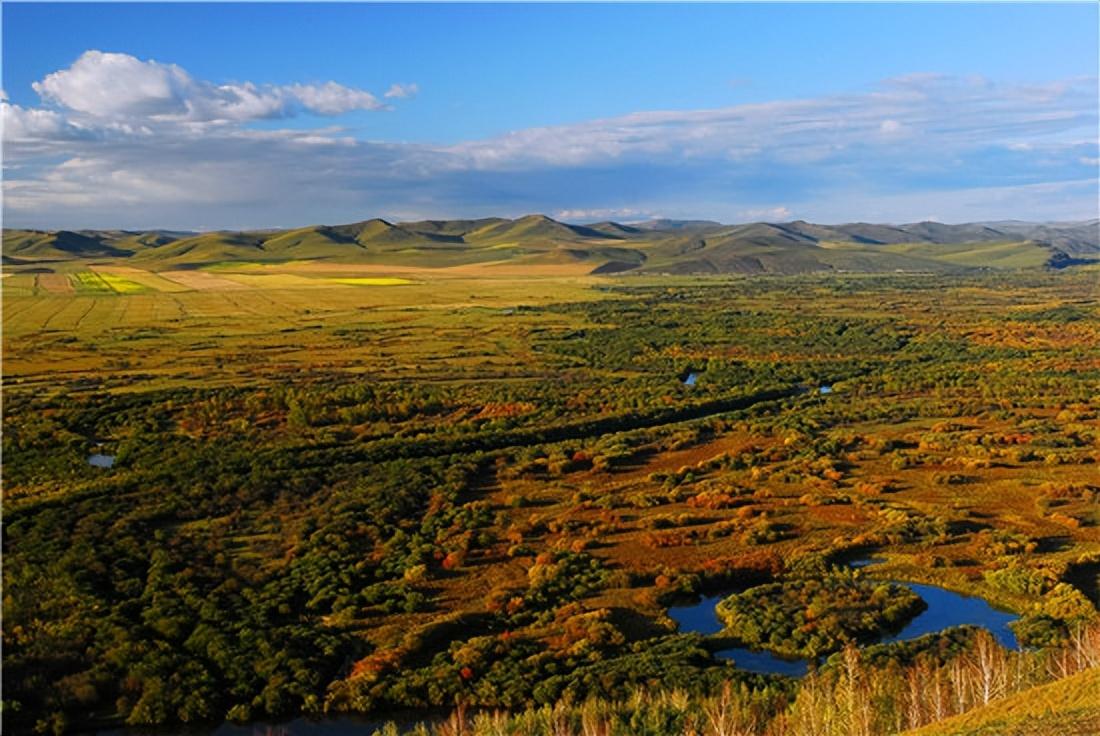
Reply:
x=22, y=124
x=966, y=148
x=402, y=91
x=119, y=86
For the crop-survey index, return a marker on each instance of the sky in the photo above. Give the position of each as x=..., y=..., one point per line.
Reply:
x=231, y=116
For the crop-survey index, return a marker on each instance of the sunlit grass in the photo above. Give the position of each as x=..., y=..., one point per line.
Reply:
x=123, y=285
x=372, y=281
x=86, y=282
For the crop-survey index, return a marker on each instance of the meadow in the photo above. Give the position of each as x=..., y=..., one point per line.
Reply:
x=354, y=488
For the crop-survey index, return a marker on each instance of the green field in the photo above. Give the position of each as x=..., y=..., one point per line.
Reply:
x=1011, y=255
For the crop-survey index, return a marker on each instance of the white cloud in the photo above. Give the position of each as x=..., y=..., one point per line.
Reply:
x=891, y=128
x=124, y=123
x=117, y=85
x=122, y=87
x=949, y=113
x=331, y=98
x=605, y=213
x=21, y=124
x=767, y=214
x=401, y=91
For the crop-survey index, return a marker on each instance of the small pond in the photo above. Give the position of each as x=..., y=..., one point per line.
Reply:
x=101, y=461
x=702, y=619
x=946, y=608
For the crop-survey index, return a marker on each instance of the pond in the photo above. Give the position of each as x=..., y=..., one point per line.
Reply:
x=702, y=618
x=945, y=609
x=101, y=461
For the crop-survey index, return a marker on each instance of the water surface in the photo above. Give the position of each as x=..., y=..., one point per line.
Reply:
x=101, y=461
x=946, y=609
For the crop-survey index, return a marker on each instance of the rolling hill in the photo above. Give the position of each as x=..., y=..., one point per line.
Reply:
x=1067, y=707
x=35, y=245
x=656, y=246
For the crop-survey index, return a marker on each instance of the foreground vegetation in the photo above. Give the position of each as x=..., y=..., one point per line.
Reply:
x=984, y=690
x=487, y=489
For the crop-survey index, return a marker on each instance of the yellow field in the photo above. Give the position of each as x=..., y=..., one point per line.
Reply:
x=201, y=280
x=21, y=284
x=196, y=327
x=90, y=282
x=145, y=278
x=55, y=283
x=371, y=281
x=123, y=285
x=273, y=280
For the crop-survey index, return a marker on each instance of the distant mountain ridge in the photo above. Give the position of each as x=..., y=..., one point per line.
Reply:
x=662, y=246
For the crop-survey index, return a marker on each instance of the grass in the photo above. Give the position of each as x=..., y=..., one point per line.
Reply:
x=151, y=281
x=1069, y=707
x=271, y=281
x=88, y=282
x=1011, y=255
x=19, y=285
x=372, y=281
x=92, y=283
x=122, y=285
x=181, y=333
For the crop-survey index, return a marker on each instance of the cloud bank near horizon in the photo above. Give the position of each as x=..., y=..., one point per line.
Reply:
x=122, y=142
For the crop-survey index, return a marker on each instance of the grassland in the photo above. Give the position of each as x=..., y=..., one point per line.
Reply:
x=372, y=281
x=538, y=242
x=488, y=486
x=1008, y=255
x=1067, y=706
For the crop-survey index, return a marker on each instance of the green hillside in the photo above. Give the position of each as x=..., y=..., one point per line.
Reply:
x=1011, y=255
x=35, y=245
x=659, y=246
x=201, y=249
x=309, y=243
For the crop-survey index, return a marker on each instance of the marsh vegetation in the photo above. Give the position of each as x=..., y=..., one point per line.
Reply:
x=488, y=490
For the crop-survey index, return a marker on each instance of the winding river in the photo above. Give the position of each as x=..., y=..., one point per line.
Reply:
x=946, y=608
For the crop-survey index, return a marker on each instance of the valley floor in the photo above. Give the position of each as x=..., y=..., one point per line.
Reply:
x=349, y=490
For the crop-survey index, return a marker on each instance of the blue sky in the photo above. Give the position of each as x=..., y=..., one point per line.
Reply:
x=219, y=115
